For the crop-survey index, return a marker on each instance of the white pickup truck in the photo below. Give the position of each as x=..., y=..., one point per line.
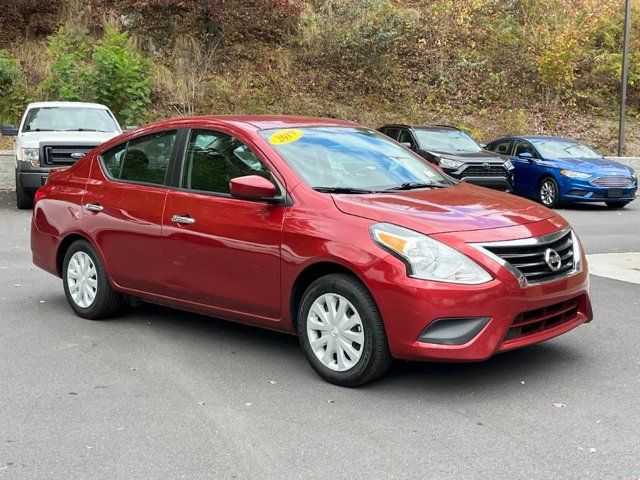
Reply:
x=55, y=134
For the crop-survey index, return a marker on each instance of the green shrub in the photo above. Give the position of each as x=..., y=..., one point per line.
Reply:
x=10, y=92
x=121, y=76
x=110, y=71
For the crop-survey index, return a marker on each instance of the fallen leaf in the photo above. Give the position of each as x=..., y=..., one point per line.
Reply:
x=201, y=402
x=134, y=369
x=331, y=401
x=43, y=301
x=522, y=382
x=558, y=405
x=272, y=382
x=592, y=450
x=248, y=404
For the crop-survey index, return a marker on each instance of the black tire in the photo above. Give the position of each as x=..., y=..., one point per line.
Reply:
x=24, y=198
x=376, y=358
x=616, y=205
x=554, y=200
x=107, y=301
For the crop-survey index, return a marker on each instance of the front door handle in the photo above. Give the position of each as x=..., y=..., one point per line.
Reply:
x=186, y=220
x=93, y=207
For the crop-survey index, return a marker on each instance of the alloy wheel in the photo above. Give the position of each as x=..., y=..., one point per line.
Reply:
x=548, y=192
x=82, y=279
x=335, y=332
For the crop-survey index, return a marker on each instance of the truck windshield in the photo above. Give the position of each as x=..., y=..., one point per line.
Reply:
x=69, y=119
x=352, y=160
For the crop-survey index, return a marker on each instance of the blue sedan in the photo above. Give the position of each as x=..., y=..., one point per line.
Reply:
x=556, y=170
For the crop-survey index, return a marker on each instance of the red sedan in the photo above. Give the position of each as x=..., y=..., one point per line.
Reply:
x=311, y=226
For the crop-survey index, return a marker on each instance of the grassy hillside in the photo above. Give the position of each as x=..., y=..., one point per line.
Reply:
x=492, y=67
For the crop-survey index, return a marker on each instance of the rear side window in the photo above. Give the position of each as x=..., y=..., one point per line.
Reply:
x=143, y=159
x=213, y=159
x=503, y=147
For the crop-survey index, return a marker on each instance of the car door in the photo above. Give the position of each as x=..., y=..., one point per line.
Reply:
x=526, y=170
x=123, y=204
x=221, y=251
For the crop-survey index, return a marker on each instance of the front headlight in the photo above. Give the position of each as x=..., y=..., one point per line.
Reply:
x=572, y=174
x=426, y=258
x=508, y=165
x=31, y=155
x=448, y=163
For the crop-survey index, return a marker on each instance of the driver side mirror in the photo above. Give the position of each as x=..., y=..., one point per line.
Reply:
x=253, y=187
x=9, y=131
x=526, y=156
x=407, y=144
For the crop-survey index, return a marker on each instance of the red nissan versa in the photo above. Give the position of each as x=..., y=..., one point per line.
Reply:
x=312, y=226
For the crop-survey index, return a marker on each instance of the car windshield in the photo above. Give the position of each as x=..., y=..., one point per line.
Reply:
x=351, y=159
x=69, y=119
x=564, y=149
x=450, y=141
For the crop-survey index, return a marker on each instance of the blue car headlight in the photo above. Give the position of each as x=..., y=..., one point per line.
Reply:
x=572, y=174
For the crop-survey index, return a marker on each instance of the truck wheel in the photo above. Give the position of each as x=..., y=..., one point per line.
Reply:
x=24, y=198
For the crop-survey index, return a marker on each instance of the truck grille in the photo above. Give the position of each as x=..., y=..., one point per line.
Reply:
x=52, y=155
x=540, y=319
x=613, y=182
x=528, y=258
x=480, y=171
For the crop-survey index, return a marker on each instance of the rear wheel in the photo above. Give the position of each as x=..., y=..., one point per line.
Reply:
x=341, y=331
x=615, y=205
x=86, y=285
x=24, y=198
x=549, y=193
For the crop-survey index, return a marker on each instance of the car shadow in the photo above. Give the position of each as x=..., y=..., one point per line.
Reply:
x=500, y=372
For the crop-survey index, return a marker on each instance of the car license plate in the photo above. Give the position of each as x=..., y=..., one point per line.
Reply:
x=614, y=193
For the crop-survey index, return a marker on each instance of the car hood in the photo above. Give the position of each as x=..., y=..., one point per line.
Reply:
x=593, y=165
x=463, y=207
x=36, y=139
x=480, y=157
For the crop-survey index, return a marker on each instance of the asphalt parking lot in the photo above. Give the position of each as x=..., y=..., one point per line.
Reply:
x=160, y=393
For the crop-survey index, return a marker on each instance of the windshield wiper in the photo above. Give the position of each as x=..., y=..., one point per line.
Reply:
x=84, y=130
x=342, y=190
x=414, y=185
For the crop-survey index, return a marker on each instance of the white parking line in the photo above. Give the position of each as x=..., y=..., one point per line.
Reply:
x=618, y=266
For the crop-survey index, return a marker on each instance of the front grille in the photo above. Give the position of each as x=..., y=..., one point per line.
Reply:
x=613, y=182
x=541, y=319
x=480, y=171
x=528, y=257
x=53, y=155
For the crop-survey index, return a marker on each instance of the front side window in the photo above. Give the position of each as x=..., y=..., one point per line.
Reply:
x=350, y=158
x=145, y=159
x=566, y=149
x=213, y=159
x=69, y=119
x=524, y=147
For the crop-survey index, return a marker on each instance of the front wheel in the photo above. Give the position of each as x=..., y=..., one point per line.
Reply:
x=341, y=331
x=549, y=193
x=86, y=285
x=24, y=197
x=616, y=205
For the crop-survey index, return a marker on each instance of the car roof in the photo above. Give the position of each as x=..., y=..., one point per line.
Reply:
x=421, y=127
x=258, y=122
x=533, y=138
x=67, y=104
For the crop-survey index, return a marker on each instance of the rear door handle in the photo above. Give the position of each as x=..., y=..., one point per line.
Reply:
x=93, y=207
x=183, y=219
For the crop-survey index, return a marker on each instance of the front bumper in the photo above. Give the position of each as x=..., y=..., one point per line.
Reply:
x=575, y=190
x=30, y=177
x=409, y=306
